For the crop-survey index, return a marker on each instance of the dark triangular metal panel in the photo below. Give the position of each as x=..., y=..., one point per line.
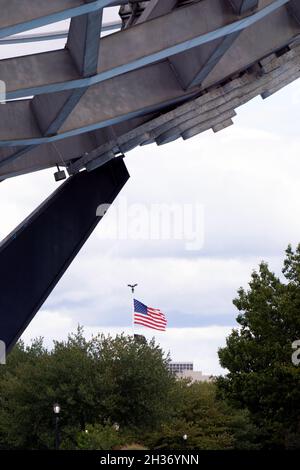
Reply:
x=37, y=253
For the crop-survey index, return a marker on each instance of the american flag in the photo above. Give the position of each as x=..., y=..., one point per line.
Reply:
x=147, y=316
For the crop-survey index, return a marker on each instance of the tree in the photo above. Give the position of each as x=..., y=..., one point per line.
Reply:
x=209, y=423
x=262, y=377
x=135, y=380
x=96, y=382
x=99, y=437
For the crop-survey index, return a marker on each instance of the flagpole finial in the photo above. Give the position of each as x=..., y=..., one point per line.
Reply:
x=132, y=287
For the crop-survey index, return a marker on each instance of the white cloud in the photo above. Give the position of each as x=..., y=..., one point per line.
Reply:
x=199, y=345
x=247, y=178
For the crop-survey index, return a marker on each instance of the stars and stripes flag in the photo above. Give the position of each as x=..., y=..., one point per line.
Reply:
x=149, y=317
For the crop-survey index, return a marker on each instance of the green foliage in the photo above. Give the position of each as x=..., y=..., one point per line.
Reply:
x=262, y=377
x=209, y=423
x=137, y=381
x=121, y=380
x=98, y=381
x=105, y=381
x=100, y=437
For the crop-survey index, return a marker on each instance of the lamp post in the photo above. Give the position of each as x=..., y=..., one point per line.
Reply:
x=185, y=437
x=56, y=410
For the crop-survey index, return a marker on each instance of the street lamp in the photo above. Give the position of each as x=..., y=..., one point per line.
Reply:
x=56, y=411
x=185, y=437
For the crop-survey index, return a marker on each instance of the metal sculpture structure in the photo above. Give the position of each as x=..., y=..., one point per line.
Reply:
x=173, y=69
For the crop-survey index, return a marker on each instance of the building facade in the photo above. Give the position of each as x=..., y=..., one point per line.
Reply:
x=185, y=370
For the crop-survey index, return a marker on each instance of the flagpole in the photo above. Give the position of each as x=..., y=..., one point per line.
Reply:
x=132, y=287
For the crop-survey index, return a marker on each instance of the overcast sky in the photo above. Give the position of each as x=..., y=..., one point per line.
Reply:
x=245, y=179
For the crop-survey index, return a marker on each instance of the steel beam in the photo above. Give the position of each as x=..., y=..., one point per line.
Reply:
x=272, y=24
x=84, y=42
x=70, y=148
x=54, y=35
x=37, y=253
x=294, y=7
x=132, y=49
x=279, y=31
x=242, y=6
x=96, y=108
x=257, y=41
x=52, y=110
x=275, y=73
x=156, y=8
x=195, y=65
x=17, y=17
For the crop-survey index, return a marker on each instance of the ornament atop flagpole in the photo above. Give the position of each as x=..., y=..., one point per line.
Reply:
x=132, y=287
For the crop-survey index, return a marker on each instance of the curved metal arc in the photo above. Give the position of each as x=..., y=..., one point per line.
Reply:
x=155, y=57
x=91, y=127
x=38, y=37
x=54, y=17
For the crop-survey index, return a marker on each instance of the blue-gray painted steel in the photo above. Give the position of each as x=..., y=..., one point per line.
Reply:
x=229, y=29
x=38, y=37
x=242, y=6
x=215, y=57
x=92, y=127
x=55, y=17
x=83, y=44
x=294, y=7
